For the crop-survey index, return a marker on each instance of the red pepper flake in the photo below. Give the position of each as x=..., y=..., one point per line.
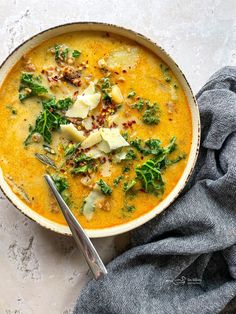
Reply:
x=76, y=93
x=94, y=126
x=128, y=124
x=116, y=73
x=124, y=71
x=113, y=125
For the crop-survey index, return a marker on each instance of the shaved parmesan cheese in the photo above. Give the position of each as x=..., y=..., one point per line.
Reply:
x=94, y=153
x=90, y=100
x=106, y=169
x=70, y=131
x=104, y=147
x=106, y=138
x=84, y=103
x=119, y=156
x=78, y=110
x=93, y=139
x=90, y=89
x=113, y=138
x=88, y=123
x=90, y=202
x=116, y=95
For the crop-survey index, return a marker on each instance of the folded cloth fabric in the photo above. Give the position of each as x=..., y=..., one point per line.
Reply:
x=184, y=260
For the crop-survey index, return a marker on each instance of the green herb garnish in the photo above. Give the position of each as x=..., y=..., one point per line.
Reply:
x=139, y=105
x=106, y=97
x=105, y=188
x=129, y=185
x=125, y=135
x=61, y=52
x=105, y=86
x=62, y=187
x=132, y=94
x=117, y=180
x=165, y=71
x=128, y=208
x=76, y=53
x=126, y=169
x=130, y=155
x=152, y=114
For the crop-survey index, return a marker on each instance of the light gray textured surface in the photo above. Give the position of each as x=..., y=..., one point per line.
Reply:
x=42, y=272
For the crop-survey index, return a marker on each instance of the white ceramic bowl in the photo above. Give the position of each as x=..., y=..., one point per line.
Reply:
x=104, y=232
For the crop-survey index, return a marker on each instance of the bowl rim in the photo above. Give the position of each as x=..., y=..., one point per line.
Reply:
x=128, y=226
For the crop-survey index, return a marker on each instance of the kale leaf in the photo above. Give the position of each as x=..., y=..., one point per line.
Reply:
x=62, y=104
x=105, y=188
x=76, y=53
x=129, y=185
x=45, y=123
x=152, y=114
x=150, y=172
x=117, y=180
x=83, y=164
x=130, y=155
x=62, y=186
x=30, y=85
x=71, y=149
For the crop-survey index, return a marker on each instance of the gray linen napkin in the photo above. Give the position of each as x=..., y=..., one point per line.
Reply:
x=184, y=260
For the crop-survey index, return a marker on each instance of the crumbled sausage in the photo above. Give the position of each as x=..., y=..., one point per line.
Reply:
x=72, y=75
x=28, y=65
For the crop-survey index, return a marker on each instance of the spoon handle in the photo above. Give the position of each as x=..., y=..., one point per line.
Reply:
x=83, y=242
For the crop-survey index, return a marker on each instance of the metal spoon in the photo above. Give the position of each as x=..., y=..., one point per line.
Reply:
x=83, y=242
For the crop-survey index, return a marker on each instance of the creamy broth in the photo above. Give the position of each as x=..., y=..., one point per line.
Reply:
x=149, y=103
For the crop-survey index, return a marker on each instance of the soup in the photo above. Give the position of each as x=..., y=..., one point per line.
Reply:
x=105, y=117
